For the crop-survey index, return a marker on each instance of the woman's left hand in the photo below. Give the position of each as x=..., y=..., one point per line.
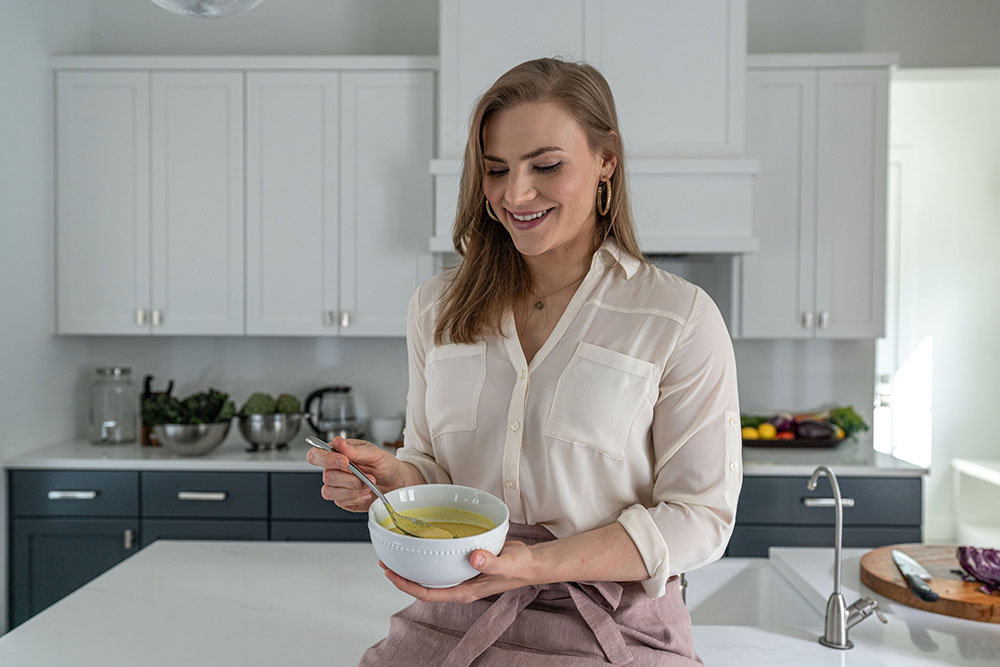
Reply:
x=513, y=568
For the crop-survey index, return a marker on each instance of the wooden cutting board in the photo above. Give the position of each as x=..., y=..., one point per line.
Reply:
x=958, y=598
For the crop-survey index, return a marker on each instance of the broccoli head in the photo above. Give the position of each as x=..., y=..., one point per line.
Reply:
x=259, y=403
x=227, y=412
x=288, y=404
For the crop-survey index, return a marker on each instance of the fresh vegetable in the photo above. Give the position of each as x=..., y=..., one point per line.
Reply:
x=205, y=407
x=847, y=419
x=782, y=422
x=750, y=433
x=983, y=565
x=288, y=404
x=767, y=431
x=259, y=403
x=752, y=420
x=814, y=430
x=785, y=435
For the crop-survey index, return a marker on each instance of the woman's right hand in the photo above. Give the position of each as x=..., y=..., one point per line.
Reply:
x=342, y=487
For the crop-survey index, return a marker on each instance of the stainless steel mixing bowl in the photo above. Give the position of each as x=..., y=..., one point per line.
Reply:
x=192, y=439
x=269, y=431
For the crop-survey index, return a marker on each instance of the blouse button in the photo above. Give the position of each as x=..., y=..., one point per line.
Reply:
x=511, y=484
x=732, y=466
x=732, y=421
x=524, y=374
x=514, y=425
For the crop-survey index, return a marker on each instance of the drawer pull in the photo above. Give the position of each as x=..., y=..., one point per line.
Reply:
x=216, y=496
x=827, y=502
x=72, y=495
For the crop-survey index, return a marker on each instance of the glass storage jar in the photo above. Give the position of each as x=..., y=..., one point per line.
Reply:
x=114, y=412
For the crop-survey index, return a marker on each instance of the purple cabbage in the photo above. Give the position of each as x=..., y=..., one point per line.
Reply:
x=983, y=565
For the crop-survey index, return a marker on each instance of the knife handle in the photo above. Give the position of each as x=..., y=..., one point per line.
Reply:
x=921, y=589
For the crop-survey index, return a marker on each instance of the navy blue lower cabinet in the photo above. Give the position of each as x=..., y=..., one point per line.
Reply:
x=782, y=512
x=51, y=558
x=202, y=529
x=320, y=531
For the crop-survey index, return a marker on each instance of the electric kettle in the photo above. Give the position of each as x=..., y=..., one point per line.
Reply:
x=330, y=412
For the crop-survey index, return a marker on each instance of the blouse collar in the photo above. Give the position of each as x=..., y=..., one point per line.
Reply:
x=610, y=253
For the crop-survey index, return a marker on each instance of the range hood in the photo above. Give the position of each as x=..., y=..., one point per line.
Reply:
x=681, y=206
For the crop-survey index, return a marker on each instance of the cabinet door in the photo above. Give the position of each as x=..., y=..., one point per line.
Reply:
x=197, y=189
x=851, y=201
x=102, y=202
x=202, y=529
x=292, y=203
x=516, y=30
x=386, y=212
x=676, y=69
x=51, y=558
x=777, y=295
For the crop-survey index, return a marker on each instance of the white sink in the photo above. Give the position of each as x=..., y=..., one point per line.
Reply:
x=749, y=592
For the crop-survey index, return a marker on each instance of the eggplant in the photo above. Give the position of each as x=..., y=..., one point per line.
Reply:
x=815, y=430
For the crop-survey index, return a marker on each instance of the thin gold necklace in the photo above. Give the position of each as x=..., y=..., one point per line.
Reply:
x=541, y=299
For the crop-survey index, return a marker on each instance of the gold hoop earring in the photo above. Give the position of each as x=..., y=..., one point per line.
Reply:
x=489, y=211
x=603, y=210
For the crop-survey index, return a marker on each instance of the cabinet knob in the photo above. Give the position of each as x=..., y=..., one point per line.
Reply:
x=345, y=319
x=72, y=495
x=807, y=320
x=211, y=496
x=140, y=317
x=129, y=538
x=157, y=317
x=329, y=318
x=824, y=320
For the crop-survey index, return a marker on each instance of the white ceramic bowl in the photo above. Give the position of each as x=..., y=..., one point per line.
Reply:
x=437, y=563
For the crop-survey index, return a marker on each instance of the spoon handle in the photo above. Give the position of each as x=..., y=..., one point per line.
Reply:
x=316, y=442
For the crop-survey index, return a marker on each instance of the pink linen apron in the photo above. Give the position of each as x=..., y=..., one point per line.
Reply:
x=575, y=624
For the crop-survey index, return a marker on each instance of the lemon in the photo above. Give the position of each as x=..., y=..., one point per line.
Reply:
x=767, y=431
x=750, y=433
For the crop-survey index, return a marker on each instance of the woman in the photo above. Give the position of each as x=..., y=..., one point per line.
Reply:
x=555, y=368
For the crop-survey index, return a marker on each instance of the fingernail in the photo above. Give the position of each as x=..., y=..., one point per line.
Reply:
x=478, y=560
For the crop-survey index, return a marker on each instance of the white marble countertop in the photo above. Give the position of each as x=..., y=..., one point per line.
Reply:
x=267, y=603
x=851, y=459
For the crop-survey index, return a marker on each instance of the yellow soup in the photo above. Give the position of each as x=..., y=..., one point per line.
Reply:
x=460, y=523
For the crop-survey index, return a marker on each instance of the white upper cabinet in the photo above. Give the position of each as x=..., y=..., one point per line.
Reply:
x=385, y=197
x=293, y=161
x=149, y=203
x=197, y=195
x=820, y=134
x=102, y=202
x=676, y=67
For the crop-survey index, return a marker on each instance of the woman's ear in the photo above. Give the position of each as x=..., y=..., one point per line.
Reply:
x=608, y=165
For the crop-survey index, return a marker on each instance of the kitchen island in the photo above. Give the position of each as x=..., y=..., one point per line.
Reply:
x=267, y=603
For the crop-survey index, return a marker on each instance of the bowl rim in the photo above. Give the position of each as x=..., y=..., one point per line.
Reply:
x=459, y=542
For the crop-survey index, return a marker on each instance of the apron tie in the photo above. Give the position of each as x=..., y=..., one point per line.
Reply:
x=586, y=596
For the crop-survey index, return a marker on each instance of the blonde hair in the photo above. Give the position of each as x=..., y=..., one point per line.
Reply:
x=492, y=274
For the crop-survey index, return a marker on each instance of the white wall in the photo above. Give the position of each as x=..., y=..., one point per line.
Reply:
x=925, y=33
x=36, y=370
x=949, y=273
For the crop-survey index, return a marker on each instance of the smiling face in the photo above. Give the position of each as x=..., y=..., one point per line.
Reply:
x=540, y=177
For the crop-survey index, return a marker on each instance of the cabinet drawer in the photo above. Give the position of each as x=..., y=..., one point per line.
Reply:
x=74, y=493
x=296, y=495
x=320, y=531
x=878, y=501
x=753, y=541
x=204, y=494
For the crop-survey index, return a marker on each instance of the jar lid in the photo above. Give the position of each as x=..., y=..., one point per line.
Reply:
x=115, y=371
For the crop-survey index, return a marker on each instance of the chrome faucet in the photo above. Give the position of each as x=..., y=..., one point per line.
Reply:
x=839, y=617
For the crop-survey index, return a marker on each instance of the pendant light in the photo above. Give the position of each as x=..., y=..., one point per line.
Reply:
x=207, y=9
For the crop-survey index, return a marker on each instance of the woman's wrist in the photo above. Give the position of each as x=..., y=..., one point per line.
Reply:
x=409, y=475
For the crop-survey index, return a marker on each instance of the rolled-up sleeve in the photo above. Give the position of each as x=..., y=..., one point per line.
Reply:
x=417, y=449
x=698, y=469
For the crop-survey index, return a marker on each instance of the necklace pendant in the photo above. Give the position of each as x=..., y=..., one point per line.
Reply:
x=539, y=305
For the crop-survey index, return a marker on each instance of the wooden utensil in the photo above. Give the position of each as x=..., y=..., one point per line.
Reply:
x=957, y=597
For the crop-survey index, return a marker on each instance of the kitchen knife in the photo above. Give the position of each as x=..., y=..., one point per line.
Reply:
x=915, y=575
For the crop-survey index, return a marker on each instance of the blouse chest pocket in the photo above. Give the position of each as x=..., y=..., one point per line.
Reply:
x=598, y=397
x=455, y=376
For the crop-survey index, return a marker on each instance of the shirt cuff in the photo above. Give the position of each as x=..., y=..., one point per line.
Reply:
x=653, y=549
x=428, y=467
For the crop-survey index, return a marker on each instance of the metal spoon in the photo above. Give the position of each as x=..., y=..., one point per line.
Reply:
x=407, y=524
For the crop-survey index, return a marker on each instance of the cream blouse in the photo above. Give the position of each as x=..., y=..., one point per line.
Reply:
x=628, y=412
